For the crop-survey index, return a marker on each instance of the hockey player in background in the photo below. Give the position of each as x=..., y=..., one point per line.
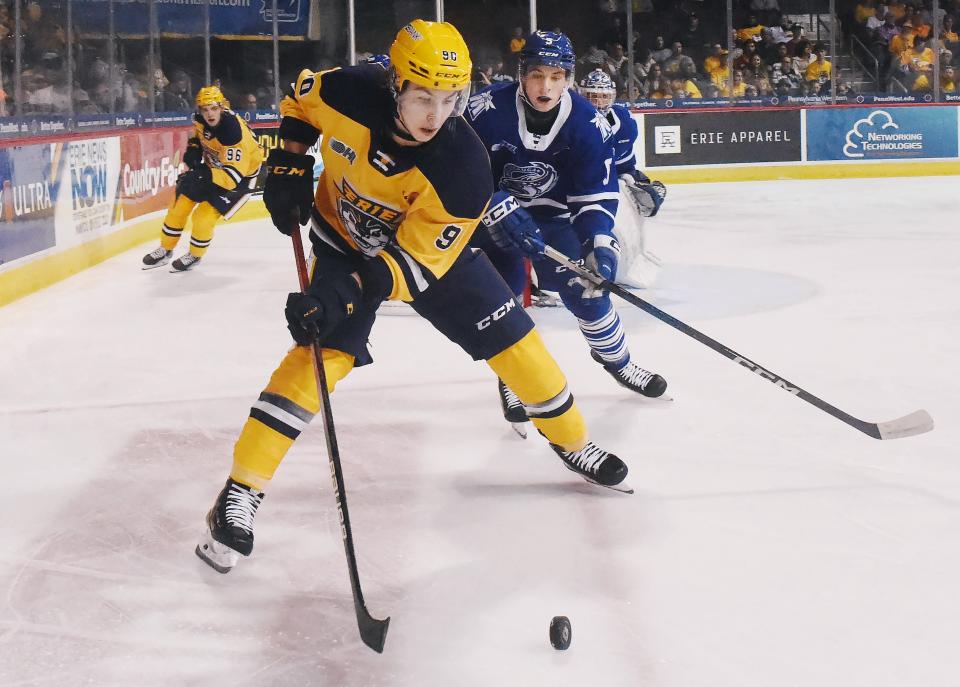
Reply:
x=553, y=158
x=639, y=196
x=405, y=182
x=224, y=159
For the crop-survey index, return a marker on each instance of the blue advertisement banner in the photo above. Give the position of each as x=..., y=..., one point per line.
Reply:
x=781, y=101
x=893, y=133
x=184, y=18
x=29, y=183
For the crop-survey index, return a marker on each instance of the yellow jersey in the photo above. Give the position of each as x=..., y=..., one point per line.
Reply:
x=230, y=150
x=410, y=210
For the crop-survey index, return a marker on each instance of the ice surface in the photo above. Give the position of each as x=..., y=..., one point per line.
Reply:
x=767, y=545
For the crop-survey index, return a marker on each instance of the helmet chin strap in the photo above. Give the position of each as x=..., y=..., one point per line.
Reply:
x=401, y=131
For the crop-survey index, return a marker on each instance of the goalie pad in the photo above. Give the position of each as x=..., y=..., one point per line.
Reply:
x=638, y=267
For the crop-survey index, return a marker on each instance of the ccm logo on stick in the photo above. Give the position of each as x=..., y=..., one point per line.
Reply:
x=756, y=369
x=497, y=314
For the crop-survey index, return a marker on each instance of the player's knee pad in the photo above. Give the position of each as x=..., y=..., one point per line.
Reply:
x=589, y=309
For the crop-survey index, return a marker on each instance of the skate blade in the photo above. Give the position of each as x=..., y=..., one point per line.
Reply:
x=218, y=556
x=622, y=487
x=520, y=428
x=153, y=267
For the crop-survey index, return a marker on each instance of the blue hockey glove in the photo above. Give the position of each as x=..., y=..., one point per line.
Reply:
x=606, y=255
x=511, y=226
x=647, y=197
x=313, y=315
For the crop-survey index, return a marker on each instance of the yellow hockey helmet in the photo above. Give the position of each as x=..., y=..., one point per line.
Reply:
x=212, y=95
x=431, y=54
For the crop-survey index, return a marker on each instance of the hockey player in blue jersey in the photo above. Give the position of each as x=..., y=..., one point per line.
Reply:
x=553, y=165
x=639, y=196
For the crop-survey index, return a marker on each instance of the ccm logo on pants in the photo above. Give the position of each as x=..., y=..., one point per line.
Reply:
x=497, y=314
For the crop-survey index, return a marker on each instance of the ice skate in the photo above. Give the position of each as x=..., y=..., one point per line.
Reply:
x=161, y=256
x=635, y=378
x=513, y=410
x=229, y=532
x=184, y=262
x=597, y=466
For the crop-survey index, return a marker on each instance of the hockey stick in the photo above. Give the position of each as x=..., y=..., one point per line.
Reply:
x=916, y=422
x=373, y=632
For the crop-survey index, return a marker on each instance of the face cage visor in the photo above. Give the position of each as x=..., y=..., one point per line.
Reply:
x=600, y=98
x=416, y=98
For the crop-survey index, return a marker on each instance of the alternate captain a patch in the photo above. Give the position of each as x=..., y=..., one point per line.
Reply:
x=371, y=224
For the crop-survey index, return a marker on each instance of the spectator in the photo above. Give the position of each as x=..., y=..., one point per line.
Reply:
x=916, y=62
x=746, y=58
x=616, y=66
x=720, y=76
x=802, y=61
x=677, y=61
x=685, y=88
x=177, y=94
x=693, y=38
x=796, y=43
x=739, y=86
x=820, y=69
x=778, y=33
x=864, y=10
x=660, y=52
x=948, y=79
x=903, y=41
x=716, y=59
x=247, y=103
x=785, y=70
x=752, y=31
x=785, y=88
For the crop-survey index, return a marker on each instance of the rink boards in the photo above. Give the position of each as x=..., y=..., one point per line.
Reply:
x=69, y=202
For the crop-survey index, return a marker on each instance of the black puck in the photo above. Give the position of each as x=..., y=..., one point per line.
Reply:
x=560, y=632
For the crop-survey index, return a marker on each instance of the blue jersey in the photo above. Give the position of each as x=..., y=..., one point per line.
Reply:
x=566, y=173
x=624, y=128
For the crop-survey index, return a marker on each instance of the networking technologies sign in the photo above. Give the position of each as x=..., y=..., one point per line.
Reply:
x=892, y=133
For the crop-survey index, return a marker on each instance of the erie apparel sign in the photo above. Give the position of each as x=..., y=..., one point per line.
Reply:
x=717, y=138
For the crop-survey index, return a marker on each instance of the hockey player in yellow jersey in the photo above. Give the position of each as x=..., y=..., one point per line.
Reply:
x=224, y=160
x=405, y=182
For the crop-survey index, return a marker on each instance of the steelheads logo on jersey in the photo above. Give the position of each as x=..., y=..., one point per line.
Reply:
x=371, y=224
x=528, y=181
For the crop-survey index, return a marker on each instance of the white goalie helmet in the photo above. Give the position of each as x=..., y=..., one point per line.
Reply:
x=598, y=88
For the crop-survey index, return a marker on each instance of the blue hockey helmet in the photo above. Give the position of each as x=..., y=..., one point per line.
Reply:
x=598, y=88
x=547, y=48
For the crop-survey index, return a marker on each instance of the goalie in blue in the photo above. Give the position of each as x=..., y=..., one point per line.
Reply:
x=554, y=172
x=640, y=197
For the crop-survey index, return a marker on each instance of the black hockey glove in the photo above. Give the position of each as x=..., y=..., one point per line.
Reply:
x=313, y=315
x=193, y=156
x=288, y=189
x=511, y=226
x=195, y=184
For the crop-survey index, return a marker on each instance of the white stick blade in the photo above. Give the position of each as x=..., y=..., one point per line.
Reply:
x=917, y=422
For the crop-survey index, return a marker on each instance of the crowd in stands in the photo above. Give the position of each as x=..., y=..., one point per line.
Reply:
x=900, y=37
x=680, y=49
x=45, y=81
x=680, y=52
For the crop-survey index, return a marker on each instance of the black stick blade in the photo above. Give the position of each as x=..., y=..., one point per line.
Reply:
x=373, y=632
